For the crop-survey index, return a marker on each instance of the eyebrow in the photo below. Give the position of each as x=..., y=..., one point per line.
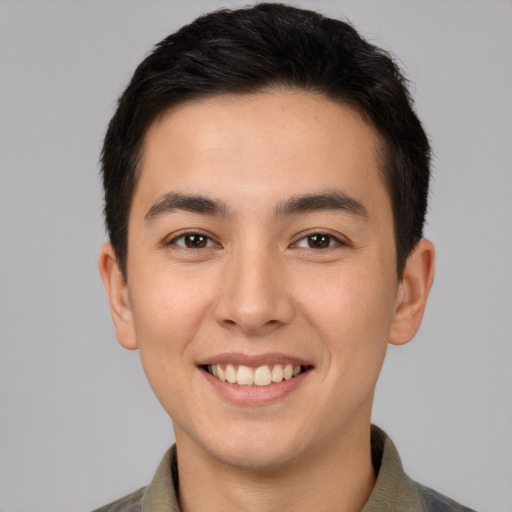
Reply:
x=331, y=200
x=173, y=201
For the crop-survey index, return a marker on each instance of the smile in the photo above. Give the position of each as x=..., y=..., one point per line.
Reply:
x=264, y=375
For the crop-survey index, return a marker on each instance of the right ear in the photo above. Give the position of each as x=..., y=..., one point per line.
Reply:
x=117, y=291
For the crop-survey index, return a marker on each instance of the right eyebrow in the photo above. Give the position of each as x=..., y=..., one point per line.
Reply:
x=331, y=200
x=173, y=201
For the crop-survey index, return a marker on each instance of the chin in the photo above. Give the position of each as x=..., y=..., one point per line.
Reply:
x=256, y=457
x=249, y=448
x=264, y=450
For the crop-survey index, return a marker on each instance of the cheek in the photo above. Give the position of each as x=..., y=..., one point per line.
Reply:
x=353, y=311
x=168, y=310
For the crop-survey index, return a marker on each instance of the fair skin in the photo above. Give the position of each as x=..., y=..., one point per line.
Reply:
x=261, y=236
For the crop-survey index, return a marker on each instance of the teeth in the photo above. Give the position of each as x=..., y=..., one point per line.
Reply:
x=230, y=374
x=245, y=376
x=277, y=373
x=261, y=376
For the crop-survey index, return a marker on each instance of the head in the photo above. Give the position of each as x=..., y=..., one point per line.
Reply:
x=261, y=48
x=266, y=182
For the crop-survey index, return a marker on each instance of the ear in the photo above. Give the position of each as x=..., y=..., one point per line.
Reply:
x=413, y=292
x=119, y=300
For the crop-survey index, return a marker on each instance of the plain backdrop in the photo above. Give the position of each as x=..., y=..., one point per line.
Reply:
x=79, y=426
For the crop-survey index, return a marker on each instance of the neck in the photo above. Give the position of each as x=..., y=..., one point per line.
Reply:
x=339, y=477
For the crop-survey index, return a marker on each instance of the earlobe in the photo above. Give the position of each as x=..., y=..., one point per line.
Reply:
x=117, y=292
x=413, y=292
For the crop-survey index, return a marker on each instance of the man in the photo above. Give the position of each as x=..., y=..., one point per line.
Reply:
x=266, y=183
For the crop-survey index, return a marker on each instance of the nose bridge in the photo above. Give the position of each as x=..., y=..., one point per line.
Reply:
x=255, y=296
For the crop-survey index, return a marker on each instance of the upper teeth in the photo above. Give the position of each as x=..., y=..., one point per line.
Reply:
x=260, y=376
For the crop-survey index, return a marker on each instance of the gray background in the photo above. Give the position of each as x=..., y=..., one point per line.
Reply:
x=79, y=425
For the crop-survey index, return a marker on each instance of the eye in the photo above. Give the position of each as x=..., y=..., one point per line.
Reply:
x=318, y=241
x=192, y=241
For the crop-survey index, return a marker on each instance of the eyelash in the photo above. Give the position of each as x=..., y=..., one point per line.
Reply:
x=183, y=236
x=332, y=241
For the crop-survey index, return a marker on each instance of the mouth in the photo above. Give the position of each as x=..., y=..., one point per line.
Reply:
x=260, y=376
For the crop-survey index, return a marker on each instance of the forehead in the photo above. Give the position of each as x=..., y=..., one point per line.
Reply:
x=268, y=145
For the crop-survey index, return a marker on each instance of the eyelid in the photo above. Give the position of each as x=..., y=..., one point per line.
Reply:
x=170, y=241
x=339, y=240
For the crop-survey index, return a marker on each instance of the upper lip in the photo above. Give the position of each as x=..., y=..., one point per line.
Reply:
x=237, y=359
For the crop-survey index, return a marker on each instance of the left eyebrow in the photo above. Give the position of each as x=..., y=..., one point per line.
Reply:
x=172, y=202
x=326, y=201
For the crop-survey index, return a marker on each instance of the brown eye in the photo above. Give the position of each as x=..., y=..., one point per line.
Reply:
x=319, y=241
x=195, y=241
x=192, y=241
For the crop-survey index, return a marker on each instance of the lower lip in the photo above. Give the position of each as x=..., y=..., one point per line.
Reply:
x=254, y=395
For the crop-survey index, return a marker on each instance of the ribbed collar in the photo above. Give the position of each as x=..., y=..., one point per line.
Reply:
x=393, y=490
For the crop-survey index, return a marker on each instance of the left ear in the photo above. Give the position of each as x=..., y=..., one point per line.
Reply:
x=413, y=292
x=117, y=291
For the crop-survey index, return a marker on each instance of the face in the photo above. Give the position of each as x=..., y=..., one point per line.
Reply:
x=261, y=275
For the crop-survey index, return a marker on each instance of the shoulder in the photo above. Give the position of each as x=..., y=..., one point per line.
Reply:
x=436, y=502
x=396, y=491
x=130, y=503
x=158, y=495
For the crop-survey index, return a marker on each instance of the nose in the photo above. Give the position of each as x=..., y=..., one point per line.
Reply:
x=255, y=295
